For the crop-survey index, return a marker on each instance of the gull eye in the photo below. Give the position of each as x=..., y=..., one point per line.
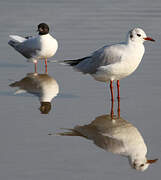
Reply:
x=138, y=35
x=141, y=165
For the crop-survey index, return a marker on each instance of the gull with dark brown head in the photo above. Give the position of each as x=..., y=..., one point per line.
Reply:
x=42, y=46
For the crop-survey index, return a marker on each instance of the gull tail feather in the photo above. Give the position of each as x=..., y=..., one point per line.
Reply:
x=71, y=62
x=76, y=61
x=71, y=132
x=12, y=43
x=15, y=84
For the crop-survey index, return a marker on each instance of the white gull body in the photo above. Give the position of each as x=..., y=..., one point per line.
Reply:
x=113, y=62
x=35, y=48
x=117, y=136
x=42, y=46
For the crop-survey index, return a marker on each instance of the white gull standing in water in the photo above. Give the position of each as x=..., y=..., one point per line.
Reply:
x=113, y=62
x=42, y=46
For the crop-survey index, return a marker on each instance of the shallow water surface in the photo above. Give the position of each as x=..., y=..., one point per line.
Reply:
x=27, y=151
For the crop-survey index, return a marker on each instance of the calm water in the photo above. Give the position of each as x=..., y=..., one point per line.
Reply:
x=27, y=152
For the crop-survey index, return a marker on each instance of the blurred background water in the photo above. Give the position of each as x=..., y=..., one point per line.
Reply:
x=26, y=151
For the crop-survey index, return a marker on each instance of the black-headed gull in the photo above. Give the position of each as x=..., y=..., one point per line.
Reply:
x=41, y=85
x=42, y=46
x=113, y=62
x=117, y=136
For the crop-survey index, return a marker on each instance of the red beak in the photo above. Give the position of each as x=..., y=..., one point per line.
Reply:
x=148, y=39
x=152, y=161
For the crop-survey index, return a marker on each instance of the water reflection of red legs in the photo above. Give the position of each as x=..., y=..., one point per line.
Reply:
x=112, y=109
x=112, y=98
x=118, y=109
x=118, y=97
x=35, y=63
x=46, y=67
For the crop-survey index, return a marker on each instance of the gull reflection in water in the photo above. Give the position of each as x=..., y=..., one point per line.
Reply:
x=115, y=135
x=41, y=85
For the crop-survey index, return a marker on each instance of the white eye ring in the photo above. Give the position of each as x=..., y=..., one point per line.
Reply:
x=138, y=35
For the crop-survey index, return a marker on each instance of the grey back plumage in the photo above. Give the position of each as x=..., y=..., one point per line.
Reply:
x=101, y=57
x=26, y=48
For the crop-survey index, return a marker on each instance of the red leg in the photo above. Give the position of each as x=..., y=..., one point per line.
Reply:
x=46, y=67
x=112, y=99
x=111, y=88
x=118, y=97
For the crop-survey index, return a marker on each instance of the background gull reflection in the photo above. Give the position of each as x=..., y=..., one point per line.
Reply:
x=41, y=85
x=117, y=136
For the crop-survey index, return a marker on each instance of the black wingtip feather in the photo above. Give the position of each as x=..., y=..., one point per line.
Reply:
x=75, y=62
x=11, y=43
x=15, y=84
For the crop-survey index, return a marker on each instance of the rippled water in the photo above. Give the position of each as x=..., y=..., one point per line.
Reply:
x=27, y=152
